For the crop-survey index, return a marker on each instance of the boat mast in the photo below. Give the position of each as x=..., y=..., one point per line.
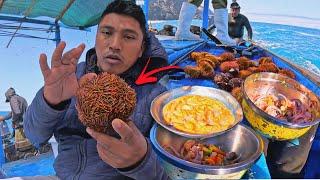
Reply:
x=205, y=18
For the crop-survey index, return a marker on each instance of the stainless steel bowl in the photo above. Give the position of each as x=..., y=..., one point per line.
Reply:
x=226, y=98
x=241, y=139
x=269, y=126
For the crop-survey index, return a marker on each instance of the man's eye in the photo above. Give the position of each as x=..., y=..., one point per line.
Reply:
x=129, y=37
x=106, y=32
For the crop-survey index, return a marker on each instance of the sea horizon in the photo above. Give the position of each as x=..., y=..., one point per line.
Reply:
x=280, y=19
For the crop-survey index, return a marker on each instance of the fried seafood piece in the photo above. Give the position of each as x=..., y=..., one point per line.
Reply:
x=212, y=58
x=244, y=74
x=264, y=60
x=226, y=66
x=227, y=56
x=209, y=74
x=197, y=55
x=193, y=71
x=245, y=63
x=237, y=93
x=207, y=60
x=206, y=66
x=254, y=69
x=287, y=73
x=268, y=67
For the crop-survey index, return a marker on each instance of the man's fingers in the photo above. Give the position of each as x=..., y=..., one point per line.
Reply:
x=103, y=138
x=44, y=65
x=78, y=51
x=56, y=56
x=67, y=56
x=125, y=132
x=74, y=53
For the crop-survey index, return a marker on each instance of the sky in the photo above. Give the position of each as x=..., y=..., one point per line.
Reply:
x=19, y=64
x=305, y=8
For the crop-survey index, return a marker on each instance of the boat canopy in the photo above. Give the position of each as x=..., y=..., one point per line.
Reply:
x=73, y=13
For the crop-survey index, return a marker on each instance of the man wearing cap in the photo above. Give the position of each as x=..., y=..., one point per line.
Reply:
x=237, y=22
x=18, y=106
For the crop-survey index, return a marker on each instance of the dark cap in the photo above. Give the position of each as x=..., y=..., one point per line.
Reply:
x=9, y=93
x=234, y=5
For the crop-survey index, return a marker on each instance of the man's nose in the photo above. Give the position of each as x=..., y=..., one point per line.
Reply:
x=115, y=43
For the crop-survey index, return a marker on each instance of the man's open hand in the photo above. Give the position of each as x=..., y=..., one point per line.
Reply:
x=60, y=80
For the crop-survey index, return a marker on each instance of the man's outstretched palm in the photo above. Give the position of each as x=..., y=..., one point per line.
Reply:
x=60, y=81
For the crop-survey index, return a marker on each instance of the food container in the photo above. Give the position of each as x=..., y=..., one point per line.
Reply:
x=270, y=126
x=240, y=139
x=222, y=96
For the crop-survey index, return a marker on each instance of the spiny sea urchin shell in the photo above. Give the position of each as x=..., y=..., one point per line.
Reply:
x=103, y=98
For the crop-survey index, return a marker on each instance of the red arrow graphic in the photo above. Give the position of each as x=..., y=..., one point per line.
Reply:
x=145, y=78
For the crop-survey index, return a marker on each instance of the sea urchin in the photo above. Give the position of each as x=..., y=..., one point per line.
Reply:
x=103, y=98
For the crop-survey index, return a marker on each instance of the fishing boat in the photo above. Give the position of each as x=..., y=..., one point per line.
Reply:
x=87, y=13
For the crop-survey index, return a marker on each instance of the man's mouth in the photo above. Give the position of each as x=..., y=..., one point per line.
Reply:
x=113, y=59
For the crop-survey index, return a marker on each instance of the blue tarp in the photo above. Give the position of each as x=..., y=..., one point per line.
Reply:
x=36, y=165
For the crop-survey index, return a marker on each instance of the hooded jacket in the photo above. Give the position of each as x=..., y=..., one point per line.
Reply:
x=78, y=157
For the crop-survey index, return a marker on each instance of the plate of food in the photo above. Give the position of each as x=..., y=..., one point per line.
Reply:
x=196, y=111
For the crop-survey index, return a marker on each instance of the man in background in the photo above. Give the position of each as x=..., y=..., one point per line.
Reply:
x=237, y=22
x=18, y=106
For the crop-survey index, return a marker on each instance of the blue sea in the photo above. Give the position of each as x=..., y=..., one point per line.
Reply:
x=297, y=44
x=8, y=122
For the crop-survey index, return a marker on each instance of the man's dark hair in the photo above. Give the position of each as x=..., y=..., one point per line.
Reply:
x=127, y=8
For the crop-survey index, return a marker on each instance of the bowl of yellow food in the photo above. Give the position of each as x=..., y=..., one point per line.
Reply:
x=226, y=156
x=279, y=107
x=196, y=111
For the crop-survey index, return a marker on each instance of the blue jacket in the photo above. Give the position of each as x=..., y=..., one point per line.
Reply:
x=78, y=157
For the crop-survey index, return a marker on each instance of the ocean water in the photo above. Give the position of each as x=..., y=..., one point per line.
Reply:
x=8, y=122
x=297, y=44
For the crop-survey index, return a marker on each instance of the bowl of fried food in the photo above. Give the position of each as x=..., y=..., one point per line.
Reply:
x=226, y=156
x=279, y=107
x=196, y=111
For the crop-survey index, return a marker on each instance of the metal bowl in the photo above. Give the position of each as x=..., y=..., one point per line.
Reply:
x=241, y=139
x=227, y=99
x=270, y=126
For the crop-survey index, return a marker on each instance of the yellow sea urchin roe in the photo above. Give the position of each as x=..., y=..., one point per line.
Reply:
x=198, y=115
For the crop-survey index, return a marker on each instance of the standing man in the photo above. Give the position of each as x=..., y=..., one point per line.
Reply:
x=237, y=22
x=18, y=106
x=187, y=12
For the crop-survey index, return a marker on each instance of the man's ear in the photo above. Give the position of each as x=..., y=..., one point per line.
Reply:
x=143, y=46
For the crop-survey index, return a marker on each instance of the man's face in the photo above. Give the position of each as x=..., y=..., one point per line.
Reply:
x=235, y=12
x=119, y=43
